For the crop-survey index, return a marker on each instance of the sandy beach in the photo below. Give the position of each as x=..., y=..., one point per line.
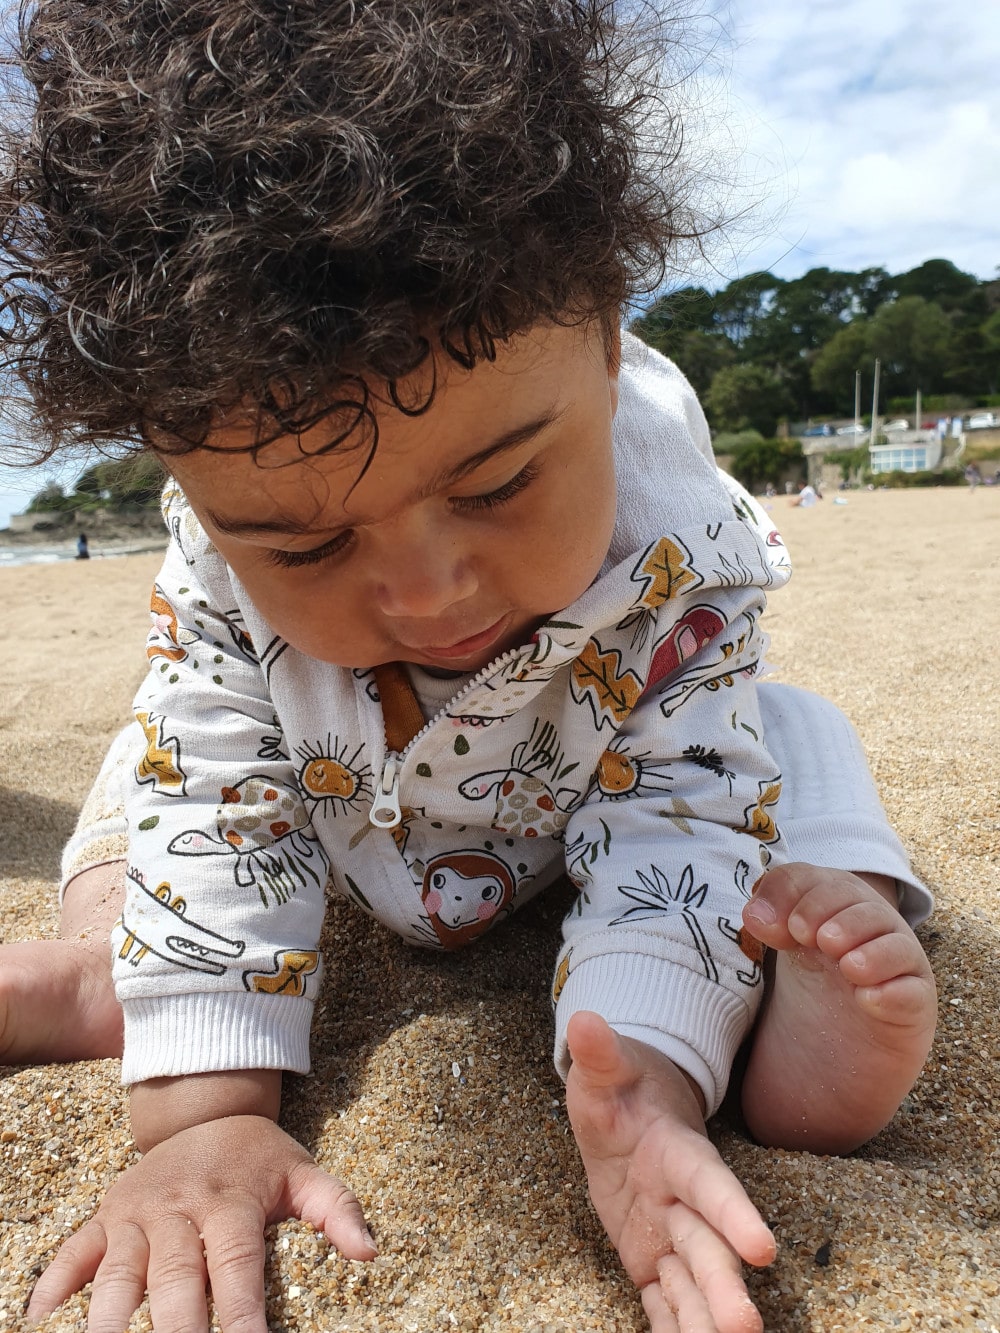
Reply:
x=433, y=1090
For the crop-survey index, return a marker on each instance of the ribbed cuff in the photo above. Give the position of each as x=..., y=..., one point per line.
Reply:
x=859, y=844
x=695, y=1022
x=214, y=1030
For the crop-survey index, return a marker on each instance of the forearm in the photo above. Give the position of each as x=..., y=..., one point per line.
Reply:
x=162, y=1107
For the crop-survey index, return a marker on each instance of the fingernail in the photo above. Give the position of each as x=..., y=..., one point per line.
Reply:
x=761, y=910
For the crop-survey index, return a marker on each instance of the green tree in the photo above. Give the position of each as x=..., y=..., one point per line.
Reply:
x=682, y=326
x=746, y=396
x=126, y=481
x=914, y=339
x=761, y=461
x=741, y=307
x=48, y=500
x=937, y=281
x=835, y=364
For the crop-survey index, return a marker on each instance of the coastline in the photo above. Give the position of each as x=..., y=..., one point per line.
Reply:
x=471, y=1182
x=40, y=553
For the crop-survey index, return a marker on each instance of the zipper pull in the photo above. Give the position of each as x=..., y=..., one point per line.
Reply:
x=385, y=811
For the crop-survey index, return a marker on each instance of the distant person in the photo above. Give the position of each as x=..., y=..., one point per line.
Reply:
x=973, y=476
x=807, y=496
x=82, y=547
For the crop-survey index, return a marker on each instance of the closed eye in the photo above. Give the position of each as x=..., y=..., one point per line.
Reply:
x=296, y=559
x=501, y=496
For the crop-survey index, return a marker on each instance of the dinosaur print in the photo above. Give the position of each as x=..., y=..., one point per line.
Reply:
x=255, y=817
x=158, y=923
x=525, y=803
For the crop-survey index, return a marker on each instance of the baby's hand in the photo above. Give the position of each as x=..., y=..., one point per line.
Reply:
x=198, y=1203
x=677, y=1215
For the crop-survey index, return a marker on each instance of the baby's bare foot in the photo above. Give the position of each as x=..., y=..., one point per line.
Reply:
x=849, y=1018
x=57, y=1003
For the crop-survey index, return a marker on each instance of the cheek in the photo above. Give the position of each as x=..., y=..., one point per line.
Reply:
x=314, y=612
x=573, y=539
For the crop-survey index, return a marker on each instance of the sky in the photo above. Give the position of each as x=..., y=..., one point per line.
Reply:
x=869, y=132
x=854, y=133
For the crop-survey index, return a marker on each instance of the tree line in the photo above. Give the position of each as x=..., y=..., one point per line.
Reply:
x=765, y=348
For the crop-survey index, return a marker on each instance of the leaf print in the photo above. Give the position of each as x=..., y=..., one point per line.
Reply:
x=666, y=569
x=759, y=823
x=710, y=759
x=597, y=677
x=583, y=852
x=160, y=765
x=357, y=894
x=654, y=897
x=680, y=814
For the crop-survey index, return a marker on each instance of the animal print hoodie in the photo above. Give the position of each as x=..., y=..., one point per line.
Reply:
x=622, y=746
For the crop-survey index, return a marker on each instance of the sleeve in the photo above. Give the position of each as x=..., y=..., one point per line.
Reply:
x=831, y=814
x=676, y=827
x=216, y=957
x=101, y=835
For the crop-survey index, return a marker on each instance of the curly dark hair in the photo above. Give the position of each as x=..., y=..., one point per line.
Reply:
x=273, y=202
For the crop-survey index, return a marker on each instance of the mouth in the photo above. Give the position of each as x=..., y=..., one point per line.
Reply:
x=473, y=646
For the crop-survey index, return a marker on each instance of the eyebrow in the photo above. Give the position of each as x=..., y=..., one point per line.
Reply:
x=293, y=527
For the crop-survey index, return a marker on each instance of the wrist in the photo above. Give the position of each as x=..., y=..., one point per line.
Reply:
x=162, y=1107
x=686, y=1098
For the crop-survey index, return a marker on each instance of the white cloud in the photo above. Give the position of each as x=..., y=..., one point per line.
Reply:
x=872, y=130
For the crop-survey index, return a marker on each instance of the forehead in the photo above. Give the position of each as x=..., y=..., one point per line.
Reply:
x=399, y=452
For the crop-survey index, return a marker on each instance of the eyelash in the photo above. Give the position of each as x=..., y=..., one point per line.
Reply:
x=464, y=504
x=296, y=559
x=503, y=494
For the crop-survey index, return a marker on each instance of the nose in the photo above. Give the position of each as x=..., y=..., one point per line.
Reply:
x=425, y=579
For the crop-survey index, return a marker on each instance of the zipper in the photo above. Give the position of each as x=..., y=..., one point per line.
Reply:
x=385, y=812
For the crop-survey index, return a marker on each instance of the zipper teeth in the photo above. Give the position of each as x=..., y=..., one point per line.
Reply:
x=478, y=679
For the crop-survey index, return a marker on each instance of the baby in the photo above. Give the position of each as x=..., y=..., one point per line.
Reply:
x=455, y=602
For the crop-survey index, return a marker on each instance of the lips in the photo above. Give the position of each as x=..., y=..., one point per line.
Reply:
x=462, y=648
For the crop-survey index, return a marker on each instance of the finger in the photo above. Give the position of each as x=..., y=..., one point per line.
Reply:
x=603, y=1062
x=332, y=1208
x=233, y=1236
x=716, y=1271
x=658, y=1312
x=682, y=1296
x=73, y=1267
x=711, y=1190
x=176, y=1276
x=120, y=1281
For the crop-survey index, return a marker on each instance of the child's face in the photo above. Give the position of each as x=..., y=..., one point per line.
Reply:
x=474, y=522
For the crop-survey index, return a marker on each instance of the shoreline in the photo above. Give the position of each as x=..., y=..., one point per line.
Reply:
x=50, y=553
